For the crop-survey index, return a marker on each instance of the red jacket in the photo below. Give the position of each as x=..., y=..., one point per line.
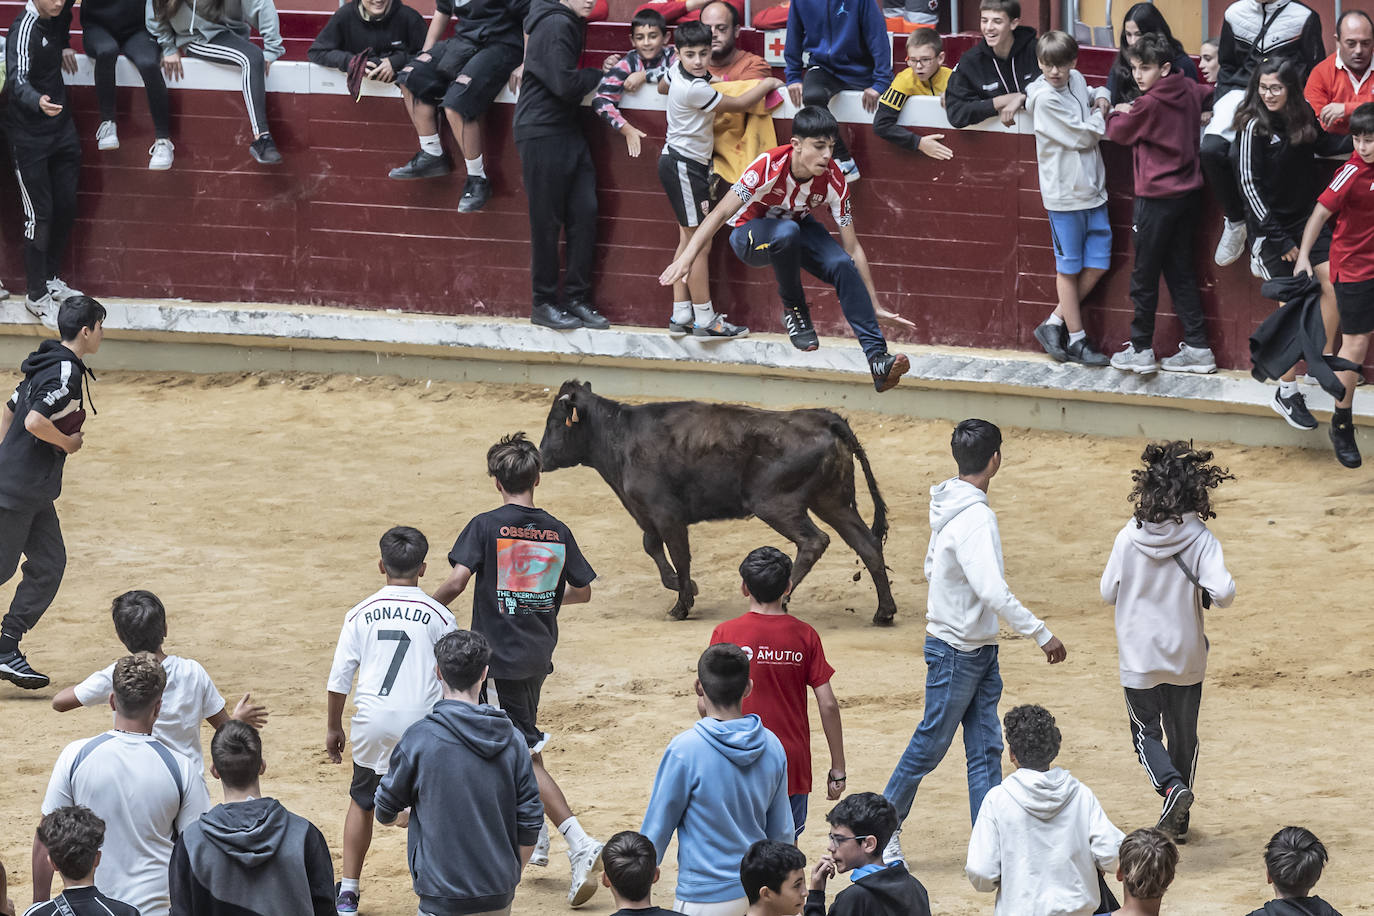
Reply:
x=676, y=10
x=1329, y=83
x=1164, y=130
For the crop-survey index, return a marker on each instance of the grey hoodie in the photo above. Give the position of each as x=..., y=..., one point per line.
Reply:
x=189, y=24
x=1159, y=624
x=465, y=773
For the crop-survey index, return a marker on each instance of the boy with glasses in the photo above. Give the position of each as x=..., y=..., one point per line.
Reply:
x=860, y=827
x=926, y=74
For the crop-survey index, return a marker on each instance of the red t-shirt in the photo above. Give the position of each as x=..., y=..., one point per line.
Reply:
x=786, y=658
x=769, y=189
x=1351, y=197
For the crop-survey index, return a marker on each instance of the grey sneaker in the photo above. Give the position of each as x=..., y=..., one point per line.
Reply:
x=680, y=328
x=892, y=852
x=106, y=136
x=720, y=329
x=60, y=291
x=1190, y=359
x=44, y=309
x=1129, y=359
x=1232, y=242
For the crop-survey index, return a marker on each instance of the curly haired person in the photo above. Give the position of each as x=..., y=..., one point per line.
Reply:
x=1166, y=568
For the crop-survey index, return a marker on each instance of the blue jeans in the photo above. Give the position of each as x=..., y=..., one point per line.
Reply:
x=798, y=803
x=962, y=688
x=790, y=245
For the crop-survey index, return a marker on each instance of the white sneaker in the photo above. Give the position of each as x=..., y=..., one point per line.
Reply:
x=1190, y=359
x=540, y=856
x=106, y=136
x=586, y=874
x=60, y=291
x=160, y=155
x=1129, y=359
x=892, y=852
x=4, y=293
x=1232, y=242
x=850, y=169
x=44, y=309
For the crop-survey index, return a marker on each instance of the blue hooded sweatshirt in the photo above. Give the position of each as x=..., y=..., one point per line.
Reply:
x=847, y=37
x=722, y=786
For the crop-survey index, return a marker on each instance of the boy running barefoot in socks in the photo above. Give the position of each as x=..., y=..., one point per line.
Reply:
x=1145, y=868
x=527, y=566
x=1293, y=863
x=631, y=873
x=71, y=839
x=774, y=879
x=860, y=827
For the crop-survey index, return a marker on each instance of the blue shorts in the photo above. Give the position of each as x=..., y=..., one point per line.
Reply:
x=1082, y=238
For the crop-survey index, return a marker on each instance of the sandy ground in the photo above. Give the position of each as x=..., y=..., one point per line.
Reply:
x=252, y=505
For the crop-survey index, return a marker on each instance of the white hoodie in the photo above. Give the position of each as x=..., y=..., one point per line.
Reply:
x=1039, y=841
x=1159, y=635
x=1067, y=131
x=964, y=569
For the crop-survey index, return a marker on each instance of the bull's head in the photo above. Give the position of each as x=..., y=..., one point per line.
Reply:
x=566, y=439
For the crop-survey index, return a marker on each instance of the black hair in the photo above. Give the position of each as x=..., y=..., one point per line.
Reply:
x=1148, y=859
x=403, y=552
x=1347, y=14
x=461, y=656
x=734, y=13
x=815, y=122
x=140, y=620
x=1149, y=20
x=867, y=814
x=236, y=751
x=1011, y=7
x=72, y=835
x=1056, y=48
x=651, y=19
x=767, y=864
x=766, y=572
x=76, y=313
x=1032, y=736
x=1362, y=120
x=1150, y=50
x=692, y=35
x=630, y=861
x=1294, y=858
x=973, y=444
x=515, y=463
x=1294, y=121
x=723, y=670
x=1177, y=480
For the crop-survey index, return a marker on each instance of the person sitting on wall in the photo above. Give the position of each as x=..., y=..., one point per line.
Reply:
x=678, y=11
x=926, y=74
x=992, y=76
x=377, y=36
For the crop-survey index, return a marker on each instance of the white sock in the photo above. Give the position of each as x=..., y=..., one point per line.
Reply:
x=577, y=837
x=704, y=312
x=430, y=144
x=348, y=884
x=682, y=311
x=1054, y=319
x=1288, y=389
x=476, y=168
x=1076, y=336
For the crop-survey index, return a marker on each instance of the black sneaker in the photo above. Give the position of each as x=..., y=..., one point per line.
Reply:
x=551, y=316
x=1176, y=804
x=264, y=149
x=1343, y=440
x=1084, y=353
x=680, y=328
x=422, y=165
x=1294, y=410
x=14, y=667
x=1053, y=337
x=797, y=320
x=888, y=370
x=720, y=329
x=589, y=316
x=1182, y=838
x=476, y=193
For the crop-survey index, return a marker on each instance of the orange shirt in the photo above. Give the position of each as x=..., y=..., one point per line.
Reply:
x=745, y=66
x=1331, y=82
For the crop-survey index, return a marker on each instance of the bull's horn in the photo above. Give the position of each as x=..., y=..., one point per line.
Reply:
x=565, y=397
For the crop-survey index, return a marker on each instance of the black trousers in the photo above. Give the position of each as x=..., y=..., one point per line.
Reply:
x=819, y=86
x=1221, y=176
x=1164, y=230
x=235, y=50
x=47, y=168
x=104, y=47
x=560, y=182
x=36, y=534
x=1165, y=713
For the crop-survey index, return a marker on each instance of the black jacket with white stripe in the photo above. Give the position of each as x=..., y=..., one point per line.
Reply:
x=82, y=901
x=1280, y=179
x=1254, y=32
x=31, y=469
x=33, y=68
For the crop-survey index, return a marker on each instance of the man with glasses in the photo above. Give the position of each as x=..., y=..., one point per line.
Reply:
x=860, y=827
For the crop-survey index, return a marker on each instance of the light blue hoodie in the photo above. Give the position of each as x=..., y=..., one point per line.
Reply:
x=722, y=786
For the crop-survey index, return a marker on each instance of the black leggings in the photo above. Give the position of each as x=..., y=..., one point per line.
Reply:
x=230, y=48
x=142, y=50
x=819, y=86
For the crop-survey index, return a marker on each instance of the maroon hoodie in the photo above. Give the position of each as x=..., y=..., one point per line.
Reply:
x=1164, y=127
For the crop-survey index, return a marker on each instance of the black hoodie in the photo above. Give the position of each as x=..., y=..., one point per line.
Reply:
x=1297, y=906
x=981, y=76
x=890, y=891
x=31, y=469
x=398, y=35
x=250, y=857
x=489, y=22
x=554, y=85
x=465, y=773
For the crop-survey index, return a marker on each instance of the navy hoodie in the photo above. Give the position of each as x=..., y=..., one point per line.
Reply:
x=31, y=469
x=552, y=90
x=249, y=857
x=846, y=37
x=465, y=773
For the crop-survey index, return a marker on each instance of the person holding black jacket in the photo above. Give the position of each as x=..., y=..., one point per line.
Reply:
x=387, y=31
x=991, y=78
x=560, y=177
x=39, y=427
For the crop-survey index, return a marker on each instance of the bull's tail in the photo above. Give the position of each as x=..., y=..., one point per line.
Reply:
x=841, y=428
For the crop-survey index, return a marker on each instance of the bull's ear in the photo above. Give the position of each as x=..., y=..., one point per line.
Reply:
x=587, y=385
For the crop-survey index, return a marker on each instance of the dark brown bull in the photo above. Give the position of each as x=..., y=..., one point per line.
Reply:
x=683, y=462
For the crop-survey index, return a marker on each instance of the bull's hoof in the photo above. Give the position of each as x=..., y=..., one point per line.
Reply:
x=884, y=618
x=672, y=586
x=679, y=612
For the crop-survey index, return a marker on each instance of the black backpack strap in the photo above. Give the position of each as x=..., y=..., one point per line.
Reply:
x=1206, y=595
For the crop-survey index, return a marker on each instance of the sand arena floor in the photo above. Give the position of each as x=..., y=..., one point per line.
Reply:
x=252, y=505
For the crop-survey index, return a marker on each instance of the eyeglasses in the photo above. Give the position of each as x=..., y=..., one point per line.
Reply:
x=838, y=839
x=920, y=60
x=1272, y=90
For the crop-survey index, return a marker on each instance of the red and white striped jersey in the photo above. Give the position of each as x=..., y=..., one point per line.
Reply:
x=769, y=189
